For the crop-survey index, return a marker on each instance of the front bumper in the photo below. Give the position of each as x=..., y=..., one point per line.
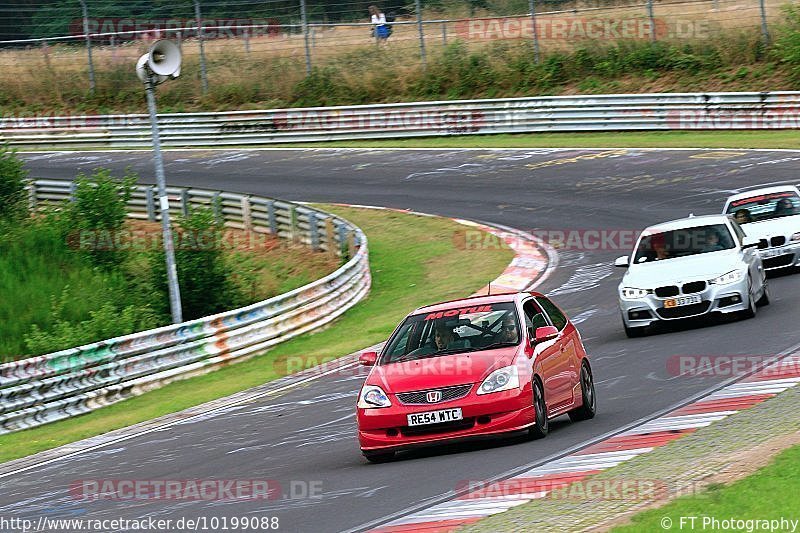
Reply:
x=714, y=299
x=779, y=257
x=502, y=412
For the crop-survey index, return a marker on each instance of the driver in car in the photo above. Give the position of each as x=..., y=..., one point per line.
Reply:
x=508, y=331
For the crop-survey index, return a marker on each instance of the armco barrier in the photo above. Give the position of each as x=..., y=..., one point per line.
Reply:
x=62, y=384
x=618, y=112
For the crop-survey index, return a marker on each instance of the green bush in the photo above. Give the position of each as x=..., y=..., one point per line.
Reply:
x=99, y=208
x=12, y=185
x=204, y=278
x=103, y=323
x=787, y=42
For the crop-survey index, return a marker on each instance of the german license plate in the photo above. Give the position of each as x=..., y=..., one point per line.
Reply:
x=435, y=417
x=683, y=300
x=766, y=254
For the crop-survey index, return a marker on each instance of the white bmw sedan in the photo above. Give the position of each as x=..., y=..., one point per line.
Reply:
x=688, y=268
x=771, y=215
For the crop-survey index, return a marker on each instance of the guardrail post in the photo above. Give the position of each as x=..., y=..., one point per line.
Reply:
x=351, y=243
x=293, y=230
x=216, y=206
x=246, y=38
x=32, y=195
x=72, y=188
x=151, y=207
x=185, y=202
x=330, y=236
x=342, y=241
x=313, y=230
x=273, y=223
x=247, y=218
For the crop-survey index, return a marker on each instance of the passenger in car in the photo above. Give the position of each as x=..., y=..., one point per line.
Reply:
x=742, y=216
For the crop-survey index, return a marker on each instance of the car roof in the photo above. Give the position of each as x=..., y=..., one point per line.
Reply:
x=688, y=222
x=471, y=301
x=762, y=190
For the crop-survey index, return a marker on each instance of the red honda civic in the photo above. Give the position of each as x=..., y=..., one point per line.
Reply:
x=480, y=366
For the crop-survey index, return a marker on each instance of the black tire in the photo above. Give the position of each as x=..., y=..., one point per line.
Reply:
x=587, y=408
x=379, y=457
x=764, y=300
x=751, y=310
x=541, y=427
x=634, y=333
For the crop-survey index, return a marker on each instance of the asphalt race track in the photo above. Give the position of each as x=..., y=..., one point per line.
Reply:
x=307, y=435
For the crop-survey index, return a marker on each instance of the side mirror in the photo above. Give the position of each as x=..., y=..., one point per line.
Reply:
x=368, y=358
x=546, y=333
x=749, y=242
x=622, y=262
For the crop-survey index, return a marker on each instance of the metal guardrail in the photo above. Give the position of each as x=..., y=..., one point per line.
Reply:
x=59, y=385
x=678, y=111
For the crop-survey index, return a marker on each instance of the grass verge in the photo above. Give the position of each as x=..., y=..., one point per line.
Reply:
x=770, y=139
x=769, y=494
x=414, y=261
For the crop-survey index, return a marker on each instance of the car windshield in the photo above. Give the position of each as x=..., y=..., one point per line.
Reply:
x=765, y=207
x=683, y=242
x=459, y=329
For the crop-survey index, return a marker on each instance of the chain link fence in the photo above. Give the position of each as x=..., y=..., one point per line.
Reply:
x=87, y=39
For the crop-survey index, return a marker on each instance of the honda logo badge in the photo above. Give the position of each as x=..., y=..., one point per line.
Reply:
x=434, y=396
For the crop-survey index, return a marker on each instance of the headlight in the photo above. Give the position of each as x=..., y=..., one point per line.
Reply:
x=372, y=397
x=796, y=237
x=631, y=293
x=730, y=277
x=505, y=378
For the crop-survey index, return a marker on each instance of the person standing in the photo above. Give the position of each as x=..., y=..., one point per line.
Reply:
x=381, y=30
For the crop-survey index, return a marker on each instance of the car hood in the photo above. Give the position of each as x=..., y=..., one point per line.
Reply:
x=776, y=226
x=443, y=371
x=682, y=269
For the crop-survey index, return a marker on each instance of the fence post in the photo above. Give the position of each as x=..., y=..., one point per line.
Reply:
x=304, y=22
x=148, y=200
x=85, y=11
x=420, y=29
x=535, y=32
x=764, y=27
x=246, y=41
x=203, y=74
x=179, y=38
x=652, y=17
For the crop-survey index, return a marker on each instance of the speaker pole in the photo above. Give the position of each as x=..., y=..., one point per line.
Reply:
x=166, y=229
